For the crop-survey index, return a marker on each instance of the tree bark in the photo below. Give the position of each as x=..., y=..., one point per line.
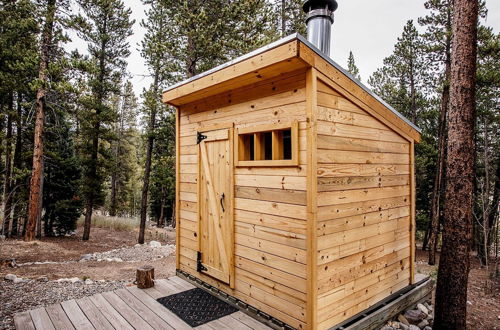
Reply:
x=147, y=165
x=442, y=138
x=36, y=184
x=454, y=265
x=18, y=162
x=92, y=174
x=7, y=191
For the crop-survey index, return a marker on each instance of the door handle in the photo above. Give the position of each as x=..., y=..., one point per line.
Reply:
x=222, y=202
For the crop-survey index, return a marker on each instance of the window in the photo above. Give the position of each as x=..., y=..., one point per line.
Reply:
x=268, y=145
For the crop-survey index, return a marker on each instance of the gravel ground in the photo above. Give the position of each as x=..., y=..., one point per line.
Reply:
x=136, y=253
x=35, y=293
x=58, y=279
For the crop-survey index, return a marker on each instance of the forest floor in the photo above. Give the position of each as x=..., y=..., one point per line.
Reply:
x=55, y=269
x=483, y=296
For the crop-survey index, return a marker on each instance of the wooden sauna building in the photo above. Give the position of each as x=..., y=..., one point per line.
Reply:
x=295, y=186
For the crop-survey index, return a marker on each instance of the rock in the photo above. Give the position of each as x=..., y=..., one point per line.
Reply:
x=117, y=260
x=423, y=309
x=102, y=281
x=137, y=245
x=62, y=280
x=154, y=244
x=386, y=327
x=17, y=280
x=88, y=281
x=2, y=238
x=99, y=260
x=468, y=302
x=413, y=327
x=86, y=257
x=43, y=279
x=427, y=328
x=74, y=279
x=109, y=259
x=423, y=324
x=403, y=326
x=394, y=324
x=403, y=320
x=414, y=316
x=10, y=277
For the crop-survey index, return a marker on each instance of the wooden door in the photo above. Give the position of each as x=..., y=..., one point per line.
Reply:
x=215, y=209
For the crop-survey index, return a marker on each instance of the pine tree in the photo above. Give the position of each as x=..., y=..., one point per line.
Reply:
x=454, y=264
x=124, y=152
x=291, y=17
x=36, y=185
x=105, y=27
x=403, y=80
x=18, y=60
x=351, y=66
x=438, y=48
x=155, y=52
x=187, y=38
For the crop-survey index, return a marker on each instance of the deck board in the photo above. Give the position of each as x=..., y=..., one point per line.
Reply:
x=59, y=318
x=128, y=309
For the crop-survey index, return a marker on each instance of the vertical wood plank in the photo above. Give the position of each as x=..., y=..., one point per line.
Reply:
x=412, y=213
x=177, y=189
x=312, y=187
x=277, y=145
x=231, y=191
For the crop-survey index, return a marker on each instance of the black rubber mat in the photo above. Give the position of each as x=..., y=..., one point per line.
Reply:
x=197, y=307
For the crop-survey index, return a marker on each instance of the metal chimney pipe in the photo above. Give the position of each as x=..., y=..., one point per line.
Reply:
x=319, y=22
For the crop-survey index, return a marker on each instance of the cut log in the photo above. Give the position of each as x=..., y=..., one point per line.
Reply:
x=145, y=277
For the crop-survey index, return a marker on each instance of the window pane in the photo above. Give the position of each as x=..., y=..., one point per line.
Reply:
x=268, y=145
x=287, y=144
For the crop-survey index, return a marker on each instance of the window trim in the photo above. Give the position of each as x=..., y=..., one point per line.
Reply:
x=293, y=126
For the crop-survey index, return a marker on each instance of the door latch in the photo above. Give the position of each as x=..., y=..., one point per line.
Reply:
x=199, y=265
x=200, y=137
x=222, y=202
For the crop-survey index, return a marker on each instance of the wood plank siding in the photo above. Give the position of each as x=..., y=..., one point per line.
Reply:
x=363, y=200
x=270, y=203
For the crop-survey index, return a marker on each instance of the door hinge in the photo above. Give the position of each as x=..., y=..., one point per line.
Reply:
x=199, y=265
x=200, y=137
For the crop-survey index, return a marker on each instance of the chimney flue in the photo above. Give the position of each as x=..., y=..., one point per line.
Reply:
x=319, y=22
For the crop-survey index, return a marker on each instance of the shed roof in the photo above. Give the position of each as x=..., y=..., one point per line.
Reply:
x=286, y=54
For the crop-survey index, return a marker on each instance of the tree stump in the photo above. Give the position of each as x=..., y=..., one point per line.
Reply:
x=145, y=277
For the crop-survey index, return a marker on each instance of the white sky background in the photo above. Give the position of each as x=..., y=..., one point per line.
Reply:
x=368, y=28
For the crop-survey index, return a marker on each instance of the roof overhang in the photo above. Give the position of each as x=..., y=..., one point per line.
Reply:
x=285, y=55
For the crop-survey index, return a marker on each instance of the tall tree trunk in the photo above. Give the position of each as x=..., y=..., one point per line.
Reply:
x=7, y=191
x=454, y=265
x=36, y=184
x=442, y=138
x=495, y=203
x=112, y=208
x=92, y=174
x=17, y=164
x=283, y=18
x=147, y=165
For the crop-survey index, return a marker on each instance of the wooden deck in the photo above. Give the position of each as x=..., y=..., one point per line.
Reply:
x=129, y=308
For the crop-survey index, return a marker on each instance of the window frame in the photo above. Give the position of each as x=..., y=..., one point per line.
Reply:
x=275, y=129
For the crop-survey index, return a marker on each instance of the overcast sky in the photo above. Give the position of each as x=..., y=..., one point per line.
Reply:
x=367, y=28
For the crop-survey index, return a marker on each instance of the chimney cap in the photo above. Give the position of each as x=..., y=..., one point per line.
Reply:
x=320, y=4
